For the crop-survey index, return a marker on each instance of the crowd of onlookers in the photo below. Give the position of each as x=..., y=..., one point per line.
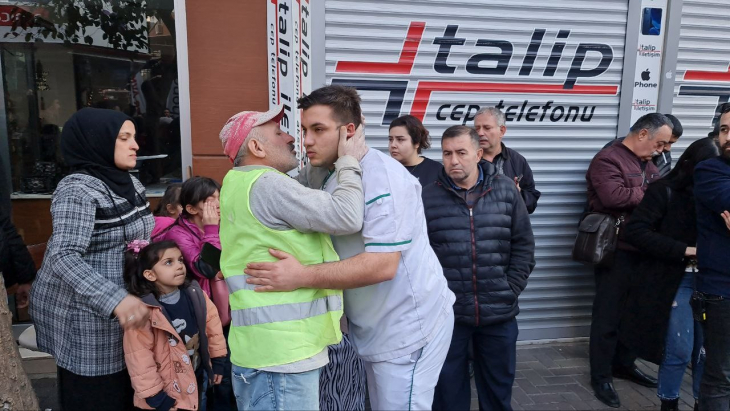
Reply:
x=397, y=273
x=661, y=295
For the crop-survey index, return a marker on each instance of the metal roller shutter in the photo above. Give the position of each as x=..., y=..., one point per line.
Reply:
x=394, y=53
x=703, y=74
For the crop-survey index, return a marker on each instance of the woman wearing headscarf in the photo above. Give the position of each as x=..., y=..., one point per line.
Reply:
x=78, y=302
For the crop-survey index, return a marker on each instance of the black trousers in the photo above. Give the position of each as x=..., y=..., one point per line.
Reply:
x=220, y=397
x=495, y=356
x=715, y=388
x=606, y=351
x=106, y=392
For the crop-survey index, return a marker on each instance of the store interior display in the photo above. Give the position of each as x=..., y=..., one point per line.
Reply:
x=46, y=80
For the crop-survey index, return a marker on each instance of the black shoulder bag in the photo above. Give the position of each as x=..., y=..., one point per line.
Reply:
x=597, y=238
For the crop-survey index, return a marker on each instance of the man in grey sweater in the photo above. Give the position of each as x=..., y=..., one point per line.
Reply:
x=280, y=202
x=262, y=153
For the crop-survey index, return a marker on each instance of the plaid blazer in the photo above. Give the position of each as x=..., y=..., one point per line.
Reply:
x=80, y=282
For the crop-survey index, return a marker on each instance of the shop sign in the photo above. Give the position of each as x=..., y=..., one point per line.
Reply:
x=649, y=58
x=289, y=62
x=492, y=70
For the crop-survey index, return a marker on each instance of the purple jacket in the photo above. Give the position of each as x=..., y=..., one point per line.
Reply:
x=188, y=237
x=617, y=180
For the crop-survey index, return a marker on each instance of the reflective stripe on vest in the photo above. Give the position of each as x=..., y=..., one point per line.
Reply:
x=273, y=328
x=238, y=282
x=285, y=312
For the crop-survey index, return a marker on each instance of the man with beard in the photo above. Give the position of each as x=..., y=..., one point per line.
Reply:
x=397, y=301
x=712, y=193
x=617, y=179
x=280, y=340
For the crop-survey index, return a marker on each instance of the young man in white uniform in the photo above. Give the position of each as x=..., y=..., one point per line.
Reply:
x=399, y=306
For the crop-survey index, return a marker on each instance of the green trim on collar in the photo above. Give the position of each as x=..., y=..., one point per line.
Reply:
x=387, y=244
x=326, y=179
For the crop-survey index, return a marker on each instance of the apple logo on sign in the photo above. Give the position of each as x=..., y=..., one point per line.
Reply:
x=646, y=75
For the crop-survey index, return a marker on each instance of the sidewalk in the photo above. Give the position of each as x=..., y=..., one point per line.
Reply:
x=551, y=376
x=557, y=377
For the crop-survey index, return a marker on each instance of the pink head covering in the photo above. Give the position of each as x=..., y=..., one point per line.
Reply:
x=238, y=128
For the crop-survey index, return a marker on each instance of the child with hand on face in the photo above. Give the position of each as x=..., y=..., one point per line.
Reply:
x=198, y=225
x=182, y=343
x=194, y=230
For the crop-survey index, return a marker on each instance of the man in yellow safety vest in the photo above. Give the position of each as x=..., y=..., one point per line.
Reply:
x=279, y=340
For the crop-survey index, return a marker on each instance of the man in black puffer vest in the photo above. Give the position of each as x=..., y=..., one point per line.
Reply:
x=479, y=227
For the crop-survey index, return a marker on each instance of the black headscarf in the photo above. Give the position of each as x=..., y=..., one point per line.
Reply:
x=88, y=140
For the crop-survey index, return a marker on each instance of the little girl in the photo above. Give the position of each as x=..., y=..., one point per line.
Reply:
x=167, y=211
x=168, y=358
x=197, y=225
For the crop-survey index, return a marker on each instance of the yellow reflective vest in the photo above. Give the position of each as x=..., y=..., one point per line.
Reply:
x=272, y=328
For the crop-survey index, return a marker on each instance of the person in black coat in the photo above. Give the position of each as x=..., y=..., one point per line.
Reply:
x=657, y=321
x=16, y=263
x=479, y=228
x=489, y=122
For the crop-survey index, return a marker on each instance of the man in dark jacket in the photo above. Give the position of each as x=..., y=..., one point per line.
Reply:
x=16, y=263
x=480, y=230
x=662, y=161
x=489, y=123
x=712, y=193
x=617, y=179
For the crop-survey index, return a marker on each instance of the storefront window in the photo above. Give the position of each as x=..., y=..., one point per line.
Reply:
x=60, y=56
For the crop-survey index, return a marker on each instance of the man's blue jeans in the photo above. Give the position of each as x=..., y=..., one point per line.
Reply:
x=715, y=388
x=261, y=390
x=683, y=344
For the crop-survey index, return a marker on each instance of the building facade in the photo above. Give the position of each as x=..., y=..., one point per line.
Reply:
x=570, y=75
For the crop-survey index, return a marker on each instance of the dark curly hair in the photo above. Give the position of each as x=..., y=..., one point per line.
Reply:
x=419, y=134
x=135, y=265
